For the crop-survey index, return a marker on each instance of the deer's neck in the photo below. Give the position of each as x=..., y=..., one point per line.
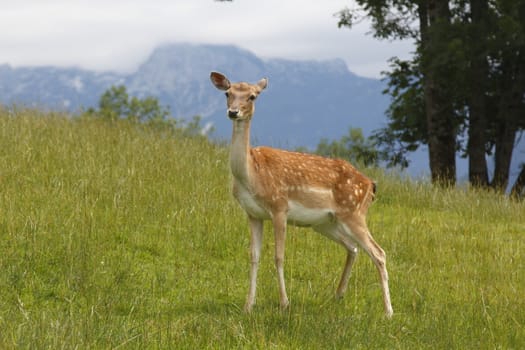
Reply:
x=240, y=158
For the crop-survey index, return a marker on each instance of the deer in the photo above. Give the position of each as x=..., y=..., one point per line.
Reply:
x=329, y=195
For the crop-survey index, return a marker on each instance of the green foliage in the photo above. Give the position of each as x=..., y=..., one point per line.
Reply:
x=391, y=19
x=462, y=91
x=114, y=236
x=353, y=147
x=407, y=125
x=115, y=103
x=382, y=148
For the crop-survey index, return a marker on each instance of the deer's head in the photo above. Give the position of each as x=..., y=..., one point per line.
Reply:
x=240, y=97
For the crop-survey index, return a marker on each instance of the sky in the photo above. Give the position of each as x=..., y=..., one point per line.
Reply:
x=119, y=35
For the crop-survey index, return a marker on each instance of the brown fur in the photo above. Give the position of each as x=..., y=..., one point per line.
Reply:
x=286, y=174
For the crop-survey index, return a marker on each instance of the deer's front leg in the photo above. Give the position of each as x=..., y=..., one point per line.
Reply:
x=279, y=226
x=256, y=229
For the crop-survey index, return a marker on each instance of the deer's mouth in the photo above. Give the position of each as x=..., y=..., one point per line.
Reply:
x=233, y=115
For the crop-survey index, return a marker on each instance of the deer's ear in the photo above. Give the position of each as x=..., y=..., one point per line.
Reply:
x=263, y=83
x=220, y=81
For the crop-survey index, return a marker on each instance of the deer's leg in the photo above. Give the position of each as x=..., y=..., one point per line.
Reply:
x=256, y=229
x=337, y=233
x=279, y=226
x=359, y=232
x=350, y=258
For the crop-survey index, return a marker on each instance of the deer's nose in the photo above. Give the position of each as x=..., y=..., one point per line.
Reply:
x=233, y=113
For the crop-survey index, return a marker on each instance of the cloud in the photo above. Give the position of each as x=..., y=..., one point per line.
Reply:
x=120, y=34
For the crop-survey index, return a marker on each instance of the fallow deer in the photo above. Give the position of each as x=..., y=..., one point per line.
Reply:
x=329, y=195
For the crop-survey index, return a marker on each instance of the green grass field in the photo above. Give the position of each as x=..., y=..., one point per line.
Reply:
x=115, y=235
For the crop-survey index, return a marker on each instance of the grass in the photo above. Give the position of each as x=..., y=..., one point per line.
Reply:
x=114, y=235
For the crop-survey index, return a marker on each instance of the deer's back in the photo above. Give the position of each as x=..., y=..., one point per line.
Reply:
x=310, y=180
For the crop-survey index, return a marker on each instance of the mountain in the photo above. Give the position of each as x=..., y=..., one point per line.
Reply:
x=305, y=100
x=53, y=88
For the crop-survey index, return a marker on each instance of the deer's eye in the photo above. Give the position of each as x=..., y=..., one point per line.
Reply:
x=252, y=97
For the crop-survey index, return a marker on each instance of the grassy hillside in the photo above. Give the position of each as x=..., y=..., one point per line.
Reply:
x=120, y=236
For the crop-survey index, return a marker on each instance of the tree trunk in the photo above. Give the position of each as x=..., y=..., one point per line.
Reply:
x=506, y=134
x=478, y=174
x=439, y=112
x=508, y=120
x=441, y=137
x=518, y=190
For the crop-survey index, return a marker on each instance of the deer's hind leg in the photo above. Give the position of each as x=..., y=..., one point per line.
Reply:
x=356, y=229
x=335, y=232
x=345, y=277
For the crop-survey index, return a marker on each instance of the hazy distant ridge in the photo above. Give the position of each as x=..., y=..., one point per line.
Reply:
x=305, y=100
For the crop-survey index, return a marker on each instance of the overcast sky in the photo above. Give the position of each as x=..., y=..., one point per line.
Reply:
x=120, y=34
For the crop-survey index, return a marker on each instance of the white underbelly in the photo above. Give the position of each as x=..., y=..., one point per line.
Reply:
x=303, y=216
x=297, y=214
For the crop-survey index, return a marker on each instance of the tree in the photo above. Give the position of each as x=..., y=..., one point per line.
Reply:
x=407, y=125
x=393, y=19
x=115, y=103
x=507, y=84
x=464, y=88
x=477, y=101
x=435, y=63
x=353, y=147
